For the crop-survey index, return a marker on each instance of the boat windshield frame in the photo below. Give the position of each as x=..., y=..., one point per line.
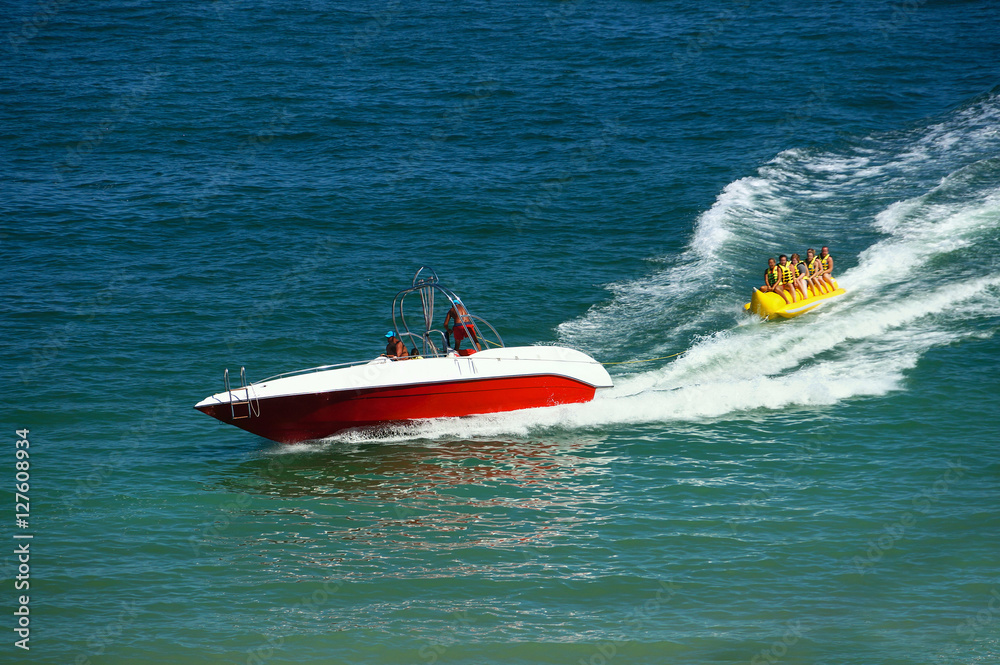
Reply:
x=429, y=340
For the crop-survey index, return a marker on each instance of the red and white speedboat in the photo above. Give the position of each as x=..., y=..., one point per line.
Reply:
x=436, y=382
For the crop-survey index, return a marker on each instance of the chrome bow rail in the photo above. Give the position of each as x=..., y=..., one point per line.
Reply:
x=247, y=400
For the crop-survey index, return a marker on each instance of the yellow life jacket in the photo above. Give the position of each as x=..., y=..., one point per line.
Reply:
x=815, y=265
x=826, y=262
x=787, y=276
x=772, y=276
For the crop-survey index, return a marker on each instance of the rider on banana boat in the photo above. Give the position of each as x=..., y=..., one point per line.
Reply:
x=772, y=280
x=827, y=261
x=816, y=279
x=824, y=256
x=787, y=277
x=801, y=275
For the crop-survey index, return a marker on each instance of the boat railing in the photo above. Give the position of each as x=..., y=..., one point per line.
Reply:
x=425, y=285
x=311, y=370
x=248, y=400
x=433, y=352
x=487, y=342
x=430, y=343
x=424, y=344
x=441, y=348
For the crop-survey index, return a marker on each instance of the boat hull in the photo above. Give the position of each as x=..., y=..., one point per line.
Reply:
x=772, y=306
x=295, y=418
x=383, y=393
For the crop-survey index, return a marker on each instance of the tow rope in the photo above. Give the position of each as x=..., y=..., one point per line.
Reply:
x=647, y=360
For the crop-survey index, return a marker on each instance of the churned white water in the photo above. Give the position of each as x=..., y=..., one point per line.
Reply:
x=914, y=273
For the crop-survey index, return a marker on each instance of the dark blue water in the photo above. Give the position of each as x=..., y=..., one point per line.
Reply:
x=194, y=186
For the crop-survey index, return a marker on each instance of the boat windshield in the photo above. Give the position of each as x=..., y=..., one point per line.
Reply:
x=420, y=327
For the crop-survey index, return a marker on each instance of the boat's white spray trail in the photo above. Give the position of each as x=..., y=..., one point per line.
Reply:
x=915, y=221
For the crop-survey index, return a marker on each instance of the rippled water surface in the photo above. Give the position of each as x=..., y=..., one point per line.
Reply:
x=189, y=187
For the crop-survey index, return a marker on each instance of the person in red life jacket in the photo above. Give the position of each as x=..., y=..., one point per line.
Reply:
x=394, y=347
x=772, y=280
x=463, y=324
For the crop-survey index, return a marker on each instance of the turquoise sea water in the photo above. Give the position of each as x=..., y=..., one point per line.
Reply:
x=194, y=186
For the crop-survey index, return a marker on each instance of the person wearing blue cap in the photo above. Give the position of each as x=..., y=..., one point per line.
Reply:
x=394, y=347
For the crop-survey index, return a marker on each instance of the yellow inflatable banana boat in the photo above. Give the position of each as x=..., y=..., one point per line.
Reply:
x=771, y=305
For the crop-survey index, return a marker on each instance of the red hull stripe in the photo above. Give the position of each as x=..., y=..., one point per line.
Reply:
x=294, y=418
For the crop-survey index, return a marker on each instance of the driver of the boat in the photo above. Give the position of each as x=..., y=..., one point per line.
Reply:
x=394, y=347
x=462, y=327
